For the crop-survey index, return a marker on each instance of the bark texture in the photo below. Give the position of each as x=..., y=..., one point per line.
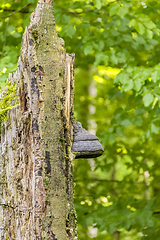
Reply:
x=36, y=190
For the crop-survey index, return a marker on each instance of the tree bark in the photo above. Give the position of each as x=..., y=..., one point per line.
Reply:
x=36, y=190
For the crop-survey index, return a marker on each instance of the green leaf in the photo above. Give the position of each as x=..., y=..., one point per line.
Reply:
x=149, y=33
x=112, y=137
x=127, y=38
x=153, y=42
x=154, y=128
x=10, y=29
x=140, y=40
x=126, y=123
x=148, y=99
x=122, y=12
x=88, y=49
x=110, y=129
x=129, y=85
x=111, y=228
x=155, y=75
x=16, y=35
x=137, y=85
x=149, y=24
x=157, y=31
x=114, y=59
x=120, y=131
x=101, y=45
x=114, y=9
x=132, y=23
x=149, y=135
x=114, y=32
x=139, y=27
x=100, y=57
x=124, y=78
x=66, y=19
x=71, y=31
x=137, y=121
x=98, y=4
x=154, y=102
x=140, y=111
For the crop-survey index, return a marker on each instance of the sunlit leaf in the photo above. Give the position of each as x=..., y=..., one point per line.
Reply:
x=154, y=128
x=122, y=12
x=88, y=49
x=71, y=31
x=148, y=99
x=126, y=122
x=137, y=85
x=114, y=9
x=149, y=24
x=98, y=4
x=132, y=23
x=149, y=33
x=139, y=27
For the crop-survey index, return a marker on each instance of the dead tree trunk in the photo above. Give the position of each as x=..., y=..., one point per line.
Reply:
x=36, y=191
x=36, y=150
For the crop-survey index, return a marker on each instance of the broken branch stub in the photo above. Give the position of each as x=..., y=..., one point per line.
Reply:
x=85, y=144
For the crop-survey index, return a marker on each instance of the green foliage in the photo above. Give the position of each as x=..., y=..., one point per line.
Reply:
x=117, y=196
x=14, y=17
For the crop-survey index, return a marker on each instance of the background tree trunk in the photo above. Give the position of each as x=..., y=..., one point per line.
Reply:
x=36, y=169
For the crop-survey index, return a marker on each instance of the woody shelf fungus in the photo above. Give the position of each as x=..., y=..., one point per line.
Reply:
x=85, y=144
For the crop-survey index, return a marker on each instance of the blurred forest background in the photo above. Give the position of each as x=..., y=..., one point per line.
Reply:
x=117, y=96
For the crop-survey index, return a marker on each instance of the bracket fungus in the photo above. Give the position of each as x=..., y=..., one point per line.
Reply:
x=85, y=144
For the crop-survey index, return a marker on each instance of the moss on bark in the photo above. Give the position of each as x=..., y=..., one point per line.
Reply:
x=35, y=162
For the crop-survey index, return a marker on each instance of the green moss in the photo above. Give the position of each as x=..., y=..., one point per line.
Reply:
x=8, y=100
x=46, y=181
x=63, y=139
x=35, y=34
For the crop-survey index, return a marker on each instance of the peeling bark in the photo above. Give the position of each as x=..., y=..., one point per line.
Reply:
x=36, y=190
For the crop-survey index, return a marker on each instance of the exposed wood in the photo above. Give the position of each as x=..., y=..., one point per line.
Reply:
x=36, y=159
